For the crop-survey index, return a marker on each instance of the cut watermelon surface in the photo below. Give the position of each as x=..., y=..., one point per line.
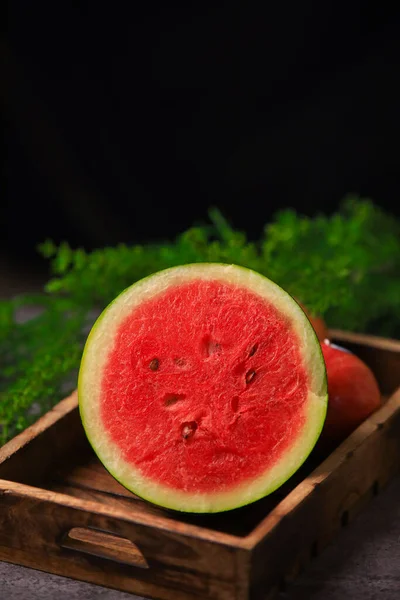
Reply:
x=203, y=387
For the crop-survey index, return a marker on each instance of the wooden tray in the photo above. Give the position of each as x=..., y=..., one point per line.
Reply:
x=61, y=512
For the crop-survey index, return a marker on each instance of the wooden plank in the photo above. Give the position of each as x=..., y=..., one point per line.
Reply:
x=307, y=519
x=32, y=454
x=362, y=339
x=51, y=500
x=381, y=428
x=238, y=523
x=184, y=561
x=92, y=475
x=93, y=478
x=117, y=502
x=380, y=354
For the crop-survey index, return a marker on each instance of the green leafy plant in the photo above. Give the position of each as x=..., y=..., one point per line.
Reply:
x=344, y=267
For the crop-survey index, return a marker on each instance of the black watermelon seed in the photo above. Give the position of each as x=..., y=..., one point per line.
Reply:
x=250, y=376
x=188, y=429
x=253, y=350
x=154, y=364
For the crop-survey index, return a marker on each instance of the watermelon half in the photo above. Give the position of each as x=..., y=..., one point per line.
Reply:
x=202, y=388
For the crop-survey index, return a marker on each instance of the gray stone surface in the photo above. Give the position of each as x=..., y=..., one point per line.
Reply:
x=363, y=563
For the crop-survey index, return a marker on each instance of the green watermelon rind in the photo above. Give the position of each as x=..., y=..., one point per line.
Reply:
x=239, y=502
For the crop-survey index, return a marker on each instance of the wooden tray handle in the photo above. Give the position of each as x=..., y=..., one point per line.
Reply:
x=104, y=545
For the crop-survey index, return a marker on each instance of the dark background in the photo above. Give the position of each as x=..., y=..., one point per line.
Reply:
x=127, y=124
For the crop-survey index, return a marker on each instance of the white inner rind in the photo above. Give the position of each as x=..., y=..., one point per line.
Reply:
x=100, y=343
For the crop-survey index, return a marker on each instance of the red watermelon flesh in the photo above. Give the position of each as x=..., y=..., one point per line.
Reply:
x=195, y=398
x=202, y=388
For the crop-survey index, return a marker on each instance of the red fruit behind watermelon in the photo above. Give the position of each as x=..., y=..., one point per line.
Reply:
x=353, y=392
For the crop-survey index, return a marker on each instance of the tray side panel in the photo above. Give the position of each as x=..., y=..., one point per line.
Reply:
x=308, y=518
x=54, y=438
x=380, y=354
x=36, y=533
